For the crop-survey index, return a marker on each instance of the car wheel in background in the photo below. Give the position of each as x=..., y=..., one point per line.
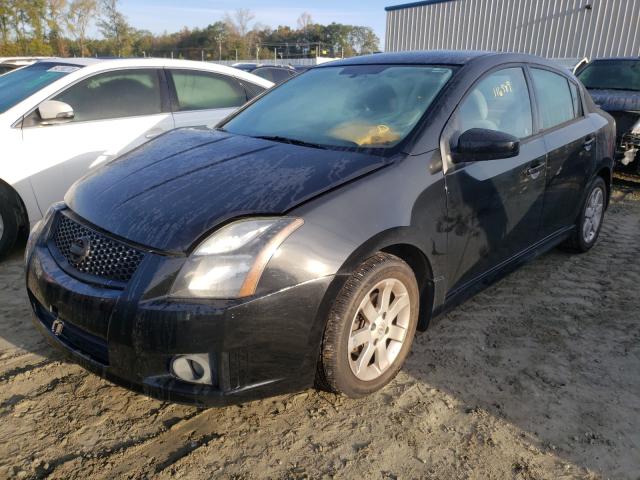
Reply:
x=370, y=327
x=590, y=220
x=8, y=221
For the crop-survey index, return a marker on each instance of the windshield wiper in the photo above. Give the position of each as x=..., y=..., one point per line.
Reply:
x=291, y=141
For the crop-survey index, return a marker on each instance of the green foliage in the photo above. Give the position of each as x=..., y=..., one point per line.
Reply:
x=59, y=27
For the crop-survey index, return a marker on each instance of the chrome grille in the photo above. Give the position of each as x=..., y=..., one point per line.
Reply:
x=93, y=253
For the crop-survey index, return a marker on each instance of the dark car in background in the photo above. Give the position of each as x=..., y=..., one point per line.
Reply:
x=308, y=237
x=274, y=73
x=614, y=85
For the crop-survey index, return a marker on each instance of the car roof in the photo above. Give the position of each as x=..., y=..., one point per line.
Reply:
x=437, y=57
x=80, y=62
x=426, y=57
x=284, y=67
x=100, y=64
x=613, y=58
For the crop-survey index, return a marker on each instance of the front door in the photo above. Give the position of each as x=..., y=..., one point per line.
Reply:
x=114, y=112
x=494, y=206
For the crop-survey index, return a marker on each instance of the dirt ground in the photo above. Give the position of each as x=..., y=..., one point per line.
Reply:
x=536, y=377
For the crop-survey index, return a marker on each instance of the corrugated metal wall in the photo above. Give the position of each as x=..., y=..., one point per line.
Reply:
x=550, y=28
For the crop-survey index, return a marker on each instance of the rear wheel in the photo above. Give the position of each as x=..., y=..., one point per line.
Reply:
x=590, y=220
x=371, y=327
x=8, y=221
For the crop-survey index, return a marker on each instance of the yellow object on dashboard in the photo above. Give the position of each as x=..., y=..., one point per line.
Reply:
x=365, y=134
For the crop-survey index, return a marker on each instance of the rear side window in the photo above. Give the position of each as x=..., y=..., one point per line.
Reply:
x=203, y=91
x=499, y=102
x=125, y=93
x=556, y=104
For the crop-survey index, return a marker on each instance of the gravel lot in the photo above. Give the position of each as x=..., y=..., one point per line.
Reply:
x=537, y=377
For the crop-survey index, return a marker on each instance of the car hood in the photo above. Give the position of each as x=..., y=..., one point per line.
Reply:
x=616, y=100
x=173, y=190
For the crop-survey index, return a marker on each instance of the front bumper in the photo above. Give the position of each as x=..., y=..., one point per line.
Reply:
x=257, y=348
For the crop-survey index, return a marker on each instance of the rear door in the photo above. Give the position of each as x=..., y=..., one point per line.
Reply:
x=495, y=206
x=570, y=140
x=204, y=98
x=114, y=112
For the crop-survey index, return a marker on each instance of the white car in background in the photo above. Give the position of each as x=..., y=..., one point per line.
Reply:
x=61, y=117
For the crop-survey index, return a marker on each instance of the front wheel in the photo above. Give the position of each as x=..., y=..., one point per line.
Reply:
x=370, y=327
x=590, y=220
x=8, y=222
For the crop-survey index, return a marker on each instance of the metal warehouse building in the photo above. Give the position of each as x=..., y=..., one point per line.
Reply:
x=550, y=28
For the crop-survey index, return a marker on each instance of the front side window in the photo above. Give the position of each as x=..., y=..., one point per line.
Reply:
x=125, y=93
x=204, y=91
x=611, y=75
x=368, y=106
x=21, y=84
x=500, y=102
x=554, y=97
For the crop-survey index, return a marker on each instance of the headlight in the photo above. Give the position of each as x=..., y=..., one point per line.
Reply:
x=37, y=229
x=636, y=128
x=230, y=262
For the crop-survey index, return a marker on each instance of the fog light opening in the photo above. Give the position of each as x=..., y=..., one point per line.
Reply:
x=192, y=368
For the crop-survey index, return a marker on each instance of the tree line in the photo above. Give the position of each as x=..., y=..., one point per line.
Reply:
x=63, y=28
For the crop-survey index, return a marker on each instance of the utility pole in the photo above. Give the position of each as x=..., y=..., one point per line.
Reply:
x=220, y=38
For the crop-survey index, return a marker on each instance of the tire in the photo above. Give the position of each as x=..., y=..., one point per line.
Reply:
x=9, y=226
x=354, y=370
x=591, y=214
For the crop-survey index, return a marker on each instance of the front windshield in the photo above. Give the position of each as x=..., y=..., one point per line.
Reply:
x=22, y=83
x=368, y=106
x=612, y=74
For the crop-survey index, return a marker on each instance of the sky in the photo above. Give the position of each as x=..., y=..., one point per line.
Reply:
x=158, y=16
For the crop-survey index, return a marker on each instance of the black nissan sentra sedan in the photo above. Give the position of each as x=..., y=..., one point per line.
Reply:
x=308, y=237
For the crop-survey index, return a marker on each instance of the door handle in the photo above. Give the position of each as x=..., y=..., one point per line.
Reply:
x=588, y=142
x=534, y=171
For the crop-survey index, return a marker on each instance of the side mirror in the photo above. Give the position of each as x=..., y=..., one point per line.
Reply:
x=479, y=144
x=53, y=112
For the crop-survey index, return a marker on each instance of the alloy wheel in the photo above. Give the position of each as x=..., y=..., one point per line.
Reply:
x=593, y=215
x=379, y=329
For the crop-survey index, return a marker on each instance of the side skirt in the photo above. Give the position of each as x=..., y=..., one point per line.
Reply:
x=468, y=290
